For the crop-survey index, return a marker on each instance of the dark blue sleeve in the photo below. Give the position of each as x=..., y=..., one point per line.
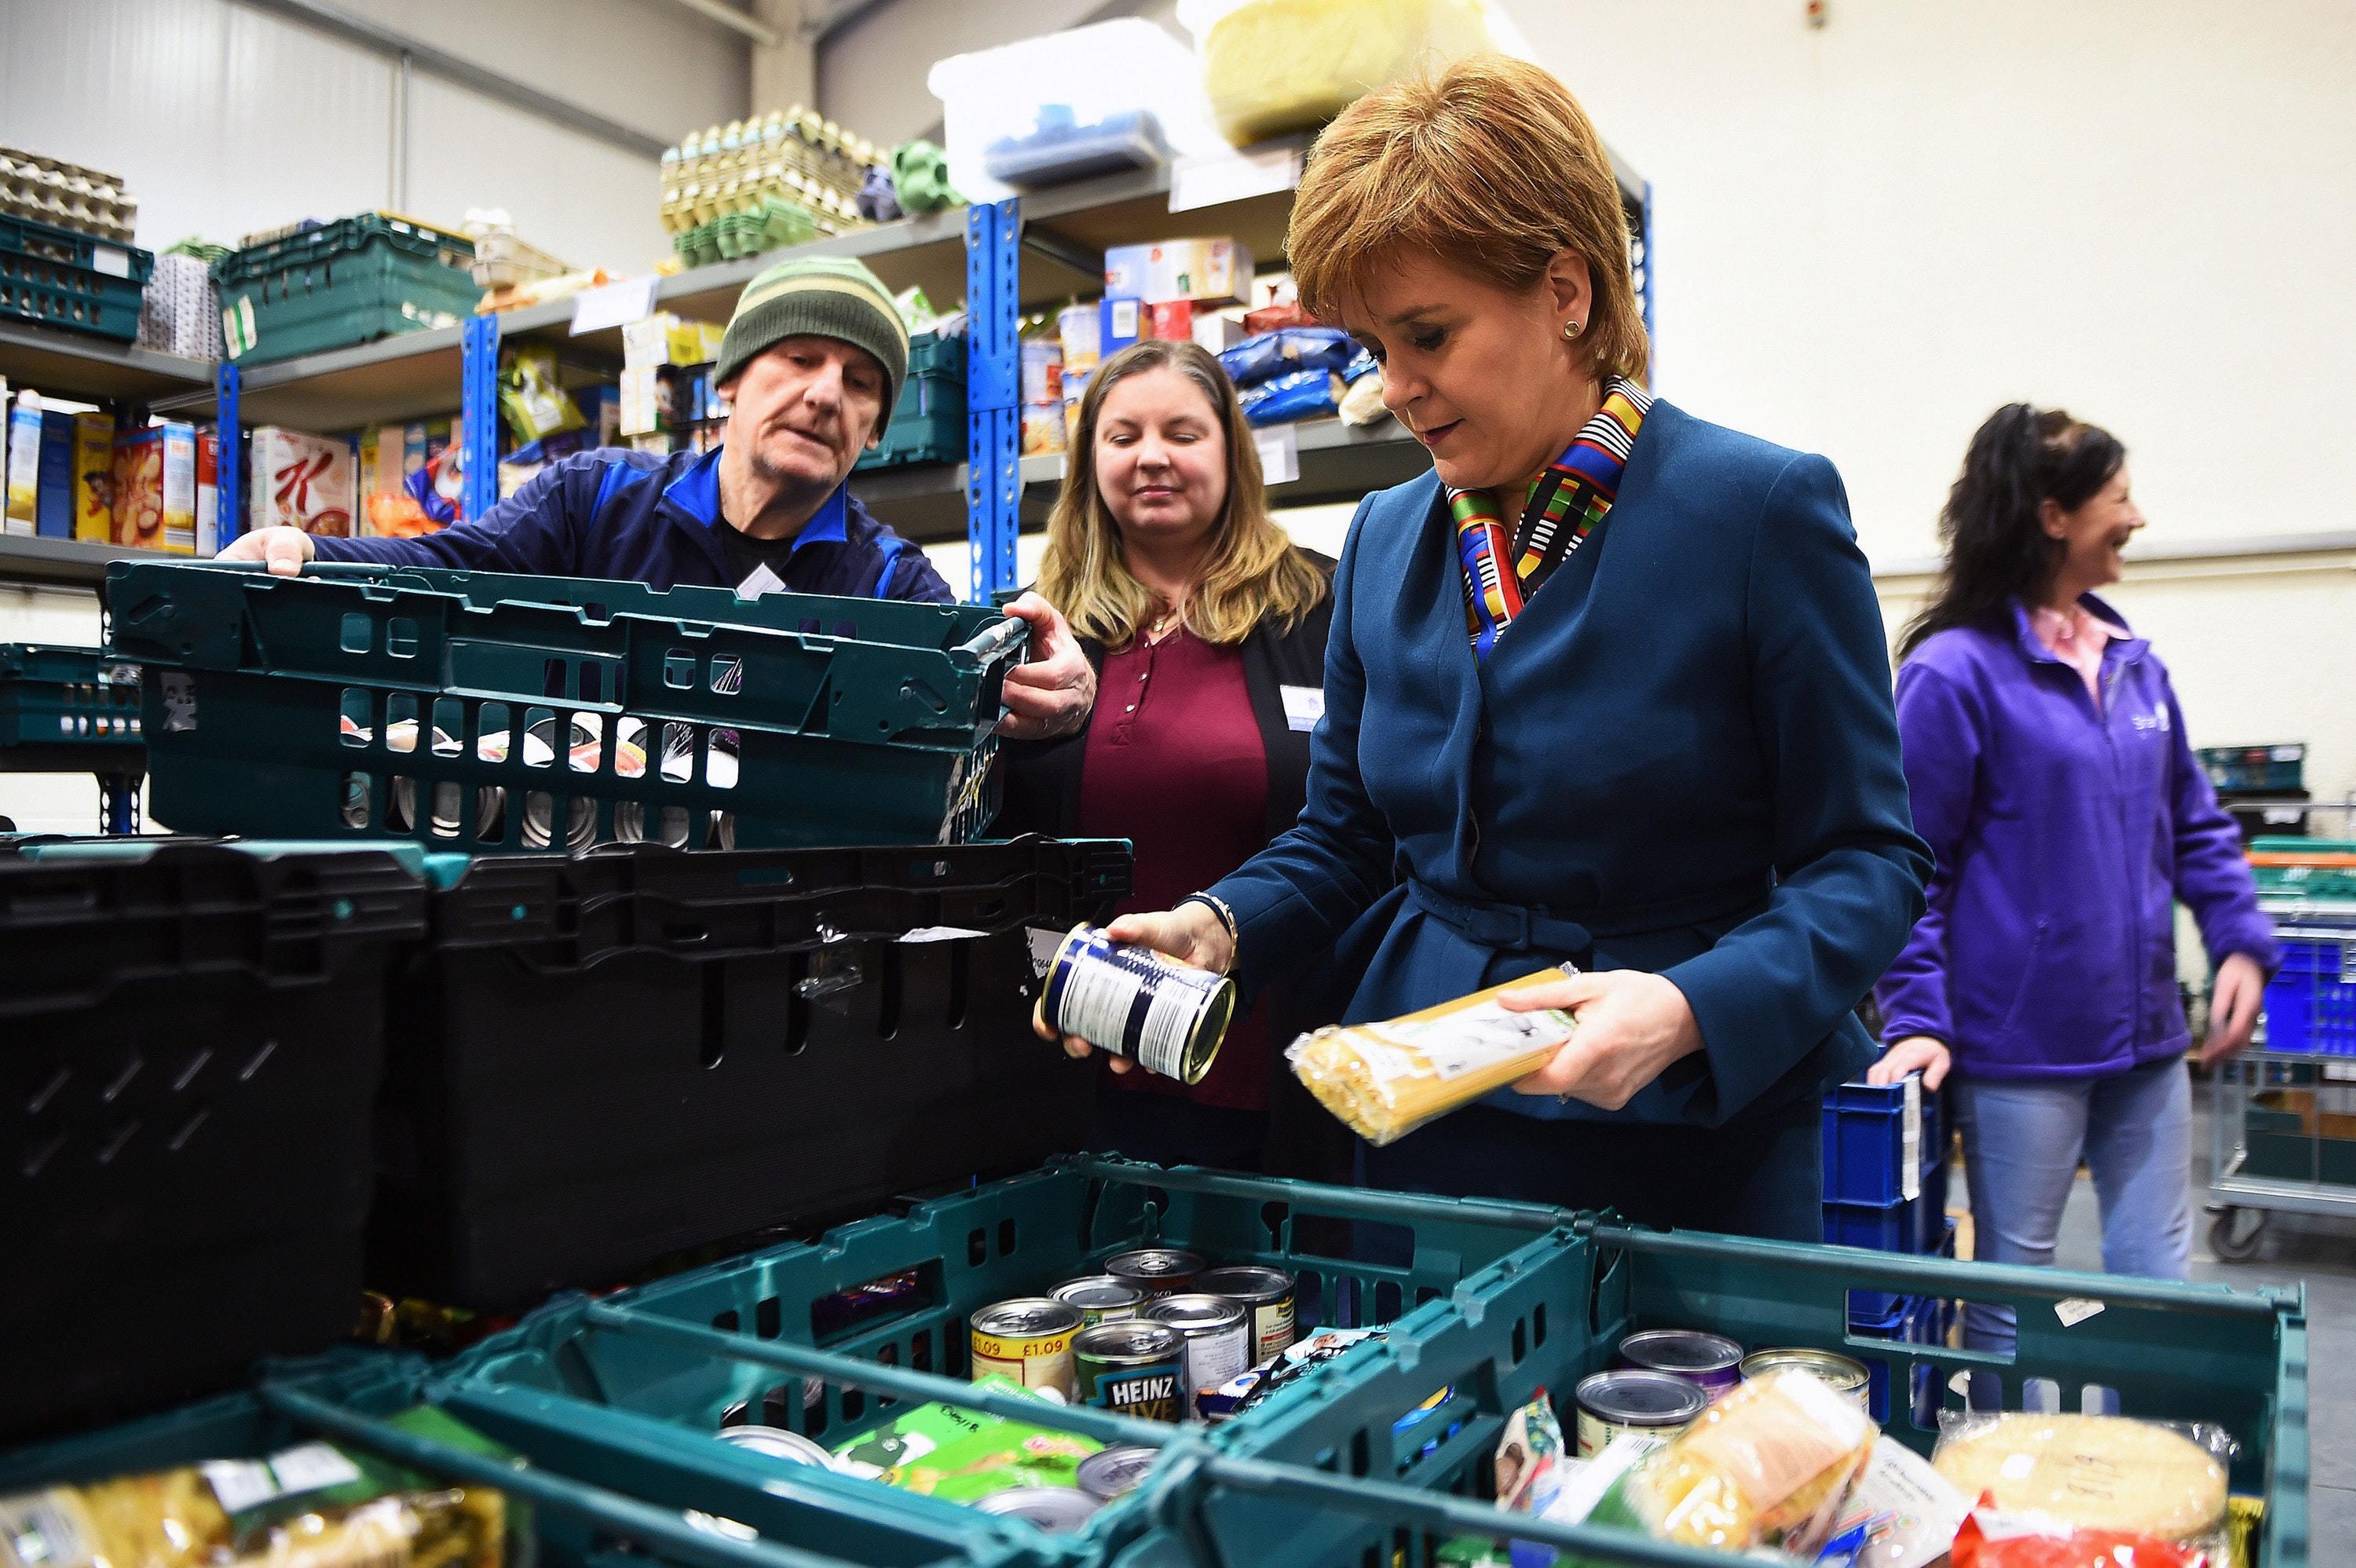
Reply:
x=535, y=530
x=914, y=579
x=1849, y=869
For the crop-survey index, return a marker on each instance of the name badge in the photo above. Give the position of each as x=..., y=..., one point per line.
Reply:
x=1303, y=706
x=761, y=580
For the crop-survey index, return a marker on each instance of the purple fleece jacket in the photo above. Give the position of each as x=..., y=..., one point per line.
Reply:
x=2063, y=834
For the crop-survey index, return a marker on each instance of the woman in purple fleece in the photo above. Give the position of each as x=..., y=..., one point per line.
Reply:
x=2050, y=772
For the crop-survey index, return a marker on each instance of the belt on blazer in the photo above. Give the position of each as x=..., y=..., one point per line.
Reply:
x=1517, y=928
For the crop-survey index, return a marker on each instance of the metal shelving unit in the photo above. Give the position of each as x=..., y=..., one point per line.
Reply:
x=1032, y=253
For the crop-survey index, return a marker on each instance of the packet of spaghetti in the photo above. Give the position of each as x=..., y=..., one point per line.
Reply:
x=1385, y=1080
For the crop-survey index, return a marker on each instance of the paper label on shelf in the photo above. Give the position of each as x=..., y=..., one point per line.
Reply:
x=614, y=304
x=1207, y=179
x=1910, y=1180
x=106, y=259
x=1279, y=453
x=2076, y=1310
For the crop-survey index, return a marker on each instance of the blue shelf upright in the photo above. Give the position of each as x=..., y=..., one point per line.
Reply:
x=478, y=412
x=993, y=396
x=229, y=435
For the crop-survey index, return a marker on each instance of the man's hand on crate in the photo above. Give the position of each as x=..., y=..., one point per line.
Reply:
x=2234, y=1008
x=1915, y=1053
x=1051, y=694
x=284, y=549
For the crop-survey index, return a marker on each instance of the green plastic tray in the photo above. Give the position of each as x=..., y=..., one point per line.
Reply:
x=68, y=711
x=59, y=277
x=928, y=422
x=349, y=281
x=279, y=705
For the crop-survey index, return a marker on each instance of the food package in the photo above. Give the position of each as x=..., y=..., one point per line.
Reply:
x=1244, y=1389
x=208, y=529
x=2091, y=1472
x=1215, y=269
x=1171, y=321
x=1992, y=1539
x=1530, y=1457
x=1219, y=330
x=1045, y=428
x=1271, y=66
x=1385, y=1080
x=951, y=1452
x=311, y=1506
x=301, y=481
x=1363, y=403
x=1043, y=371
x=156, y=488
x=1080, y=328
x=1901, y=1514
x=1770, y=1464
x=532, y=400
x=1303, y=395
x=1288, y=349
x=24, y=464
x=93, y=478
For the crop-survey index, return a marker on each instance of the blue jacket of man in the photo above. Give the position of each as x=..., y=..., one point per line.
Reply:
x=1680, y=758
x=635, y=516
x=2065, y=830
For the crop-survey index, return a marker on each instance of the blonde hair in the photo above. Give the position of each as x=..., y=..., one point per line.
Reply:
x=1491, y=168
x=1254, y=572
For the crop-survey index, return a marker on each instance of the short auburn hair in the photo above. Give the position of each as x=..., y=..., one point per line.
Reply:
x=1489, y=166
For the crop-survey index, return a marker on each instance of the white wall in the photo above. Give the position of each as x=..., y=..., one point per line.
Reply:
x=225, y=120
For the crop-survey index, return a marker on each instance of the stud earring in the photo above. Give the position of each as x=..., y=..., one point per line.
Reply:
x=1571, y=329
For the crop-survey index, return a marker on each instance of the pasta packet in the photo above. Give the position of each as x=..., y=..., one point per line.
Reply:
x=1385, y=1080
x=2108, y=1474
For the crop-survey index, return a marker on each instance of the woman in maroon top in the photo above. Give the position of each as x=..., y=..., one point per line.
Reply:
x=1207, y=628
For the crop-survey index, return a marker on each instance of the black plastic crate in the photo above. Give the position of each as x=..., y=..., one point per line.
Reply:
x=190, y=1042
x=602, y=1061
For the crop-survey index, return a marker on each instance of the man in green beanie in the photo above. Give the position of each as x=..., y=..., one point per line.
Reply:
x=811, y=363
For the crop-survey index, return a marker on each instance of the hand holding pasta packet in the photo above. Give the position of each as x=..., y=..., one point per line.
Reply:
x=1385, y=1080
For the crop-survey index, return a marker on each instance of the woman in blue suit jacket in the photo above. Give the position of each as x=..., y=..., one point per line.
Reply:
x=1675, y=766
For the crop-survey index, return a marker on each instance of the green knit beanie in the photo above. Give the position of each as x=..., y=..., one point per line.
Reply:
x=822, y=296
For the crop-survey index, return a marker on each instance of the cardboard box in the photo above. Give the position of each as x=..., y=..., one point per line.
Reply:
x=1172, y=321
x=156, y=488
x=54, y=503
x=208, y=521
x=1209, y=269
x=1121, y=324
x=1220, y=330
x=93, y=478
x=302, y=481
x=24, y=466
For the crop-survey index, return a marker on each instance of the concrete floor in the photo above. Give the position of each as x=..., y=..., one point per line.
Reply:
x=2322, y=1254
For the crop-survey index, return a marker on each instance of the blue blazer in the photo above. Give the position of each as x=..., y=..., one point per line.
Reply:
x=1681, y=758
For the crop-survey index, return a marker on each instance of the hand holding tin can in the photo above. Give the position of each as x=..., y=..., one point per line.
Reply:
x=1190, y=933
x=1135, y=1004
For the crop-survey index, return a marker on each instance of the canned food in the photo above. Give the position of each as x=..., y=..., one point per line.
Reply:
x=1836, y=1373
x=1711, y=1362
x=1101, y=1297
x=1132, y=1368
x=1218, y=1339
x=1028, y=1340
x=1612, y=1403
x=1116, y=1471
x=1267, y=1293
x=1059, y=1509
x=1157, y=1271
x=1165, y=1016
x=779, y=1442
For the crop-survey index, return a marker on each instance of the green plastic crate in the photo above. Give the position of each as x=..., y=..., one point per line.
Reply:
x=592, y=1505
x=928, y=422
x=353, y=281
x=285, y=705
x=2279, y=868
x=68, y=711
x=58, y=277
x=662, y=1364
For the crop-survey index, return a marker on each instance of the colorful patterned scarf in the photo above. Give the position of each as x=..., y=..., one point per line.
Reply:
x=1559, y=508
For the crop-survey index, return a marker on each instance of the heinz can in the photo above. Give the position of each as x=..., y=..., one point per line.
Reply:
x=1157, y=1271
x=1100, y=1298
x=1028, y=1340
x=1131, y=1367
x=1267, y=1293
x=1165, y=1016
x=1218, y=1339
x=1836, y=1373
x=1116, y=1471
x=1057, y=1510
x=1612, y=1403
x=1711, y=1362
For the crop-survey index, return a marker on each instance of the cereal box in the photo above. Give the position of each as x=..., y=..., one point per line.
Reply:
x=156, y=488
x=93, y=478
x=302, y=481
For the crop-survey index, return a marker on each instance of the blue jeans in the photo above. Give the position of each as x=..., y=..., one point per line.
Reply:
x=2023, y=1139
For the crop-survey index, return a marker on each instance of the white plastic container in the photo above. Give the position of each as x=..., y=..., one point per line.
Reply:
x=1097, y=71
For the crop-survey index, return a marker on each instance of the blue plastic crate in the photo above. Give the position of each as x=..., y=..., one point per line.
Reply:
x=1917, y=1226
x=2311, y=1001
x=1919, y=1320
x=1866, y=1142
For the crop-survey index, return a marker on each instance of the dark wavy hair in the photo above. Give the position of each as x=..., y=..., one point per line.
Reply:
x=1998, y=549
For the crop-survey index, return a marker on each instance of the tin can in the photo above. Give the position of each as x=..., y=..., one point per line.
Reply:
x=1157, y=1271
x=1101, y=1297
x=1218, y=1337
x=1116, y=1471
x=1131, y=1367
x=1268, y=1295
x=1612, y=1403
x=1836, y=1373
x=1711, y=1362
x=1165, y=1016
x=1029, y=1340
x=779, y=1442
x=1057, y=1510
